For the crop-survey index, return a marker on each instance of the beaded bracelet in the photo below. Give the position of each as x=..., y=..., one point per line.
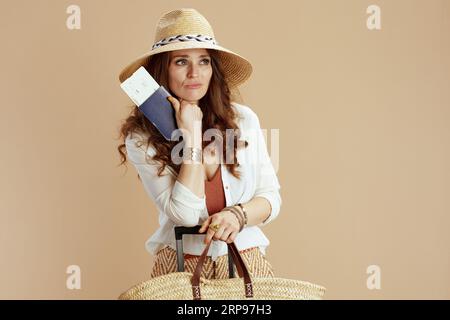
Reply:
x=238, y=215
x=245, y=213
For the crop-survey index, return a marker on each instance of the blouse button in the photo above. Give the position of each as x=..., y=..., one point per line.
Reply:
x=226, y=187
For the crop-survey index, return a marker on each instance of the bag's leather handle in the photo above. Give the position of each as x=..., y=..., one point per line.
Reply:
x=242, y=270
x=238, y=261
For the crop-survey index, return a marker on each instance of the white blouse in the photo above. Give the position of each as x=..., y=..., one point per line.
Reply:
x=179, y=206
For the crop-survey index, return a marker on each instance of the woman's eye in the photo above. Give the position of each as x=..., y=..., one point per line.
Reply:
x=184, y=60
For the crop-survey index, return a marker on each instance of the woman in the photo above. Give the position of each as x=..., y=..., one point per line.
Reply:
x=206, y=187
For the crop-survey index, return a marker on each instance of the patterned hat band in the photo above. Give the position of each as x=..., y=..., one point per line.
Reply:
x=186, y=37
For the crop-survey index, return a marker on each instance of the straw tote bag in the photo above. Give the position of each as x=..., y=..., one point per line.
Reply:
x=188, y=286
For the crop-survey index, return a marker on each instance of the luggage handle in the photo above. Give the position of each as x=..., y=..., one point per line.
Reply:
x=179, y=232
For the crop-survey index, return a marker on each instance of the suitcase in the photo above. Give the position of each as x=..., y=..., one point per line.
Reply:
x=179, y=232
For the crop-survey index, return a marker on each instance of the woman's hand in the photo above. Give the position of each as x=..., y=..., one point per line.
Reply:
x=229, y=227
x=188, y=116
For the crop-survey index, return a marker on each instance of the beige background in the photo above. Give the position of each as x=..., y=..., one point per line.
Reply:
x=364, y=142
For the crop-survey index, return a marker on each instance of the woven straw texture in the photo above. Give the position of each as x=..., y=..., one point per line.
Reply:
x=177, y=286
x=188, y=21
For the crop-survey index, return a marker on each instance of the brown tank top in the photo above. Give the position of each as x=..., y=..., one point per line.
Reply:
x=215, y=196
x=215, y=201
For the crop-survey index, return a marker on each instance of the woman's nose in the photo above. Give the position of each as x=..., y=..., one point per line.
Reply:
x=193, y=71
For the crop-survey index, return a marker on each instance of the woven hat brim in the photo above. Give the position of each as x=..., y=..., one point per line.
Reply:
x=237, y=69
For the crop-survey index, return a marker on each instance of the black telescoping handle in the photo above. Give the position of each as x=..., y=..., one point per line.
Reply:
x=179, y=232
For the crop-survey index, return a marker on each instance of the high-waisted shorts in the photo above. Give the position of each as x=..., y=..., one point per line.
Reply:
x=256, y=262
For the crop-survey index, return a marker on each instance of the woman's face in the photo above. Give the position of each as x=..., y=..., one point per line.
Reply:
x=188, y=67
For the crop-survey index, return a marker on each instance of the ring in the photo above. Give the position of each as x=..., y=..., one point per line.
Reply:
x=214, y=227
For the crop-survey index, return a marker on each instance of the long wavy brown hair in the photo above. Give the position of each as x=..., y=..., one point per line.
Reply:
x=215, y=106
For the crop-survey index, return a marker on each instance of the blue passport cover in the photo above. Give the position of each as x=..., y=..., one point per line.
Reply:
x=159, y=111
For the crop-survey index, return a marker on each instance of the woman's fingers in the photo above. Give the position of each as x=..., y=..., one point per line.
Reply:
x=218, y=234
x=232, y=237
x=225, y=235
x=209, y=235
x=205, y=225
x=175, y=103
x=227, y=231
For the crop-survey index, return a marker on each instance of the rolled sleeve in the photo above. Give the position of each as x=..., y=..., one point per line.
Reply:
x=184, y=200
x=184, y=195
x=177, y=201
x=267, y=184
x=275, y=204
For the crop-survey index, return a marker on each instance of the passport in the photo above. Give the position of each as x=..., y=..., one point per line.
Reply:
x=151, y=99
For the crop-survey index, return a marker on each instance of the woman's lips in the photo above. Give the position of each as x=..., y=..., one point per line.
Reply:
x=194, y=86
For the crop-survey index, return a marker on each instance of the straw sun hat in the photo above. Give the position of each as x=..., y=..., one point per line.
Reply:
x=186, y=28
